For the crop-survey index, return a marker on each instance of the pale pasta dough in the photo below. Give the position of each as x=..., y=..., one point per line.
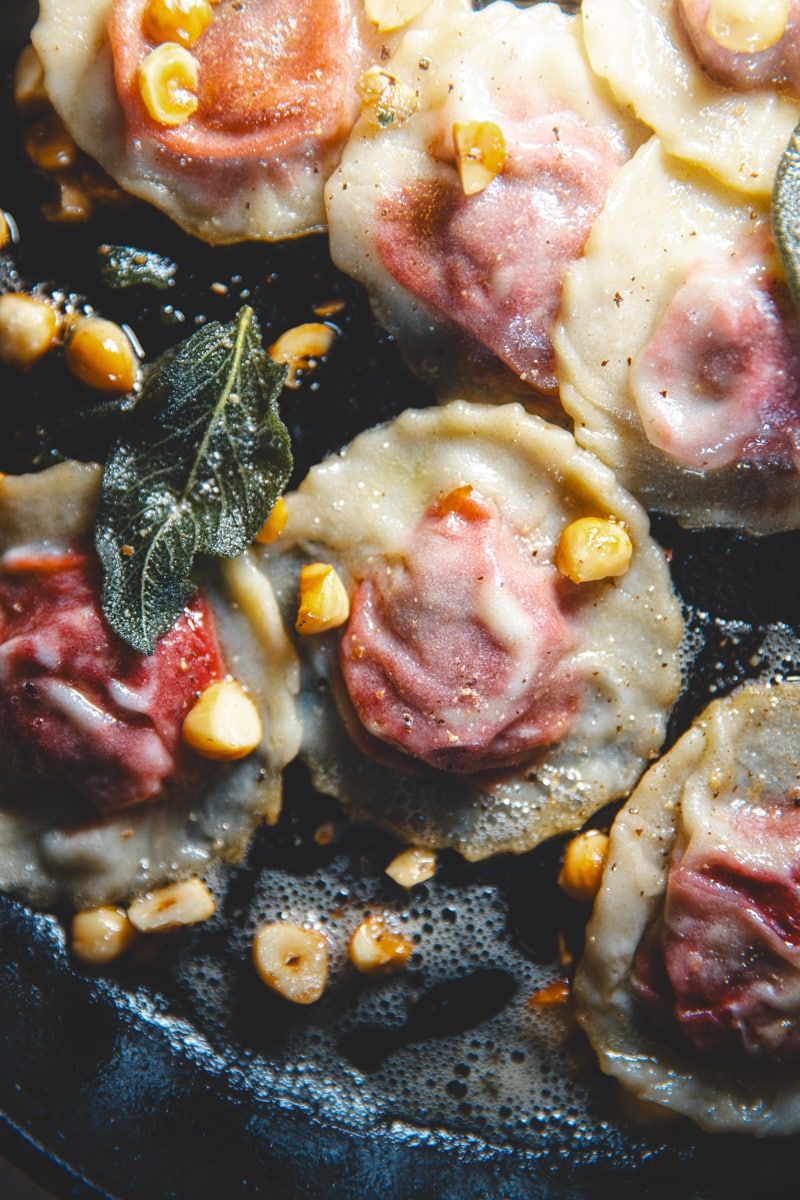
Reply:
x=707, y=844
x=609, y=665
x=276, y=101
x=465, y=280
x=643, y=50
x=51, y=854
x=678, y=350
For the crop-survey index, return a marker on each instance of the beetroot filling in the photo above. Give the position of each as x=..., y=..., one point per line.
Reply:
x=718, y=382
x=721, y=967
x=493, y=263
x=275, y=77
x=79, y=707
x=458, y=653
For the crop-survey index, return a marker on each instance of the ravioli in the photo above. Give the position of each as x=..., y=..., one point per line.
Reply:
x=689, y=987
x=644, y=51
x=465, y=280
x=679, y=350
x=476, y=697
x=746, y=50
x=276, y=96
x=54, y=845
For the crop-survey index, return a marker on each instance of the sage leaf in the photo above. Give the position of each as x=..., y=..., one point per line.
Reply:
x=126, y=266
x=200, y=463
x=786, y=213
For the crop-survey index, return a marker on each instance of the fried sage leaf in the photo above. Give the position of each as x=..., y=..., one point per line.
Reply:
x=200, y=464
x=786, y=213
x=127, y=266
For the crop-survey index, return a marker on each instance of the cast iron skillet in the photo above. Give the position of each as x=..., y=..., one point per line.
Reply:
x=182, y=1077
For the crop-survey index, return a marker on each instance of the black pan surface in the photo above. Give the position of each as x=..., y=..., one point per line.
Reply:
x=181, y=1077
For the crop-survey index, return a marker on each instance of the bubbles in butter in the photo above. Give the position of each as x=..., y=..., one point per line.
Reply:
x=521, y=1079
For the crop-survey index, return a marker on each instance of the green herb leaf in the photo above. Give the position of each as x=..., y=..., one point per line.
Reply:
x=203, y=459
x=786, y=213
x=125, y=266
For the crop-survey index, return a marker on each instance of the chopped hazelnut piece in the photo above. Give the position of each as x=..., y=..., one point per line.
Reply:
x=394, y=14
x=292, y=961
x=480, y=153
x=385, y=99
x=593, y=548
x=376, y=949
x=275, y=523
x=584, y=862
x=224, y=724
x=168, y=80
x=28, y=328
x=184, y=903
x=747, y=26
x=324, y=602
x=99, y=935
x=301, y=347
x=412, y=866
